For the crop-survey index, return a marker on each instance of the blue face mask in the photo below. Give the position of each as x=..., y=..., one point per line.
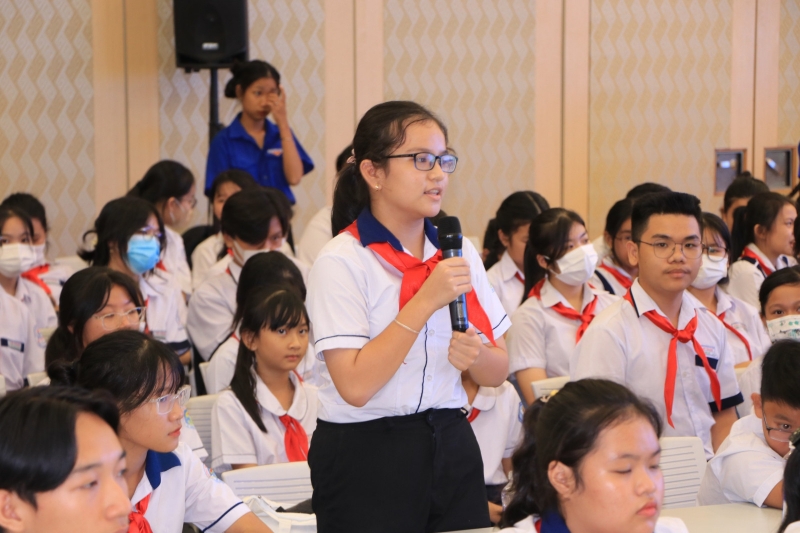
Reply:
x=144, y=252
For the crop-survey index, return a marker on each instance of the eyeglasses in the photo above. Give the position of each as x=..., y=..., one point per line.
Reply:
x=777, y=434
x=114, y=321
x=665, y=249
x=425, y=161
x=150, y=232
x=164, y=404
x=716, y=253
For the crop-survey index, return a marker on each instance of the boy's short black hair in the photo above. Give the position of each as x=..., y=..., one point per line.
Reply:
x=665, y=203
x=780, y=373
x=646, y=188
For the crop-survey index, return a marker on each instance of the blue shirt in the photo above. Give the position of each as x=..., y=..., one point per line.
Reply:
x=233, y=147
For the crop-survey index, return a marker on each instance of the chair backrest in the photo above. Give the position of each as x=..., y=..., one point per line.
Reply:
x=199, y=410
x=683, y=462
x=2, y=385
x=287, y=483
x=546, y=386
x=36, y=378
x=204, y=370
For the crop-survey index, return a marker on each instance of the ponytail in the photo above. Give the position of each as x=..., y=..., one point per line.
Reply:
x=350, y=197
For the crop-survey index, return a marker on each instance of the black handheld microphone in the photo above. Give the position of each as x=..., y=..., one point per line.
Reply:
x=450, y=242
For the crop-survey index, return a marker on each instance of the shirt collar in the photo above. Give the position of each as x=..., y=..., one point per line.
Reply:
x=486, y=399
x=553, y=522
x=371, y=231
x=508, y=268
x=270, y=403
x=157, y=463
x=724, y=302
x=237, y=131
x=753, y=248
x=643, y=303
x=152, y=285
x=609, y=262
x=235, y=269
x=550, y=296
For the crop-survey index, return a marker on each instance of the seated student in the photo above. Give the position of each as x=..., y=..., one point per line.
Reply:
x=271, y=269
x=559, y=260
x=748, y=466
x=268, y=415
x=512, y=220
x=659, y=340
x=62, y=463
x=167, y=483
x=763, y=242
x=50, y=277
x=21, y=349
x=170, y=187
x=213, y=248
x=791, y=489
x=615, y=274
x=742, y=188
x=495, y=415
x=252, y=222
x=17, y=256
x=589, y=462
x=747, y=337
x=130, y=237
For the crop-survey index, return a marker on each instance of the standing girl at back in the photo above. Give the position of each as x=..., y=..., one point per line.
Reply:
x=559, y=304
x=615, y=273
x=513, y=219
x=393, y=450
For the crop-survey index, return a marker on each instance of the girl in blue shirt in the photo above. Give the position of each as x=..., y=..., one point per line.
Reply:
x=268, y=151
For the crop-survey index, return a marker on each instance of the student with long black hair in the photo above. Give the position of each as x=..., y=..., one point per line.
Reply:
x=393, y=450
x=615, y=273
x=167, y=483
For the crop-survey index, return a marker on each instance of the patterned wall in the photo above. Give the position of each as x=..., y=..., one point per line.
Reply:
x=789, y=74
x=659, y=97
x=471, y=63
x=46, y=113
x=286, y=33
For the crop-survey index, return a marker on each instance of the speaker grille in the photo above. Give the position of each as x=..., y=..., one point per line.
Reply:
x=210, y=33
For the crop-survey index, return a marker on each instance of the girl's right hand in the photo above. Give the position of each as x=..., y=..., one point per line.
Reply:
x=449, y=280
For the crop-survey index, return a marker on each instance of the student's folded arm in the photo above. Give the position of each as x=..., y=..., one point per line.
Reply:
x=775, y=497
x=249, y=523
x=527, y=376
x=723, y=420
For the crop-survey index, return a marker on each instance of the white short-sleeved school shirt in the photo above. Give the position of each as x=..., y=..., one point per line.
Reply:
x=541, y=337
x=354, y=295
x=212, y=307
x=745, y=276
x=204, y=256
x=746, y=320
x=304, y=269
x=166, y=310
x=39, y=305
x=745, y=469
x=54, y=276
x=191, y=437
x=235, y=437
x=750, y=382
x=316, y=235
x=21, y=347
x=182, y=490
x=508, y=283
x=624, y=346
x=664, y=524
x=497, y=427
x=604, y=278
x=174, y=260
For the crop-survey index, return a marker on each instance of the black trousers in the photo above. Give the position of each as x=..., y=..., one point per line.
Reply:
x=405, y=474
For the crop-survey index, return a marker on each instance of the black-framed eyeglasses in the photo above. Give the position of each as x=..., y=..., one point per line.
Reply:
x=665, y=249
x=716, y=253
x=425, y=161
x=777, y=434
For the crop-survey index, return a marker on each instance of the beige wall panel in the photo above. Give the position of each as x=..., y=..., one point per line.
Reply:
x=765, y=124
x=743, y=65
x=369, y=55
x=473, y=64
x=290, y=35
x=47, y=112
x=660, y=93
x=789, y=74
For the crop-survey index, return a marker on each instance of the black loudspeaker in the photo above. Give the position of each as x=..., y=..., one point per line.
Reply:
x=210, y=33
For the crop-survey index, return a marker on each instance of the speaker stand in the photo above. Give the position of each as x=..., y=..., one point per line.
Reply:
x=214, y=126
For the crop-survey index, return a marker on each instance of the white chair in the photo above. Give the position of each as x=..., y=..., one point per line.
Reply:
x=546, y=386
x=199, y=410
x=36, y=378
x=683, y=462
x=287, y=483
x=204, y=370
x=2, y=386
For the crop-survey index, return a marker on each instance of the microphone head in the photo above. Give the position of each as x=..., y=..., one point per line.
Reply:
x=449, y=232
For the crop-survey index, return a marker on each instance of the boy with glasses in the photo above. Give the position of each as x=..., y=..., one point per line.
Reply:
x=749, y=465
x=658, y=340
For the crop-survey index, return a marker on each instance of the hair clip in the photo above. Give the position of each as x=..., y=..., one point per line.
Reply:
x=352, y=158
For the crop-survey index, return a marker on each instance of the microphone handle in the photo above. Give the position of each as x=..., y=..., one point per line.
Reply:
x=458, y=307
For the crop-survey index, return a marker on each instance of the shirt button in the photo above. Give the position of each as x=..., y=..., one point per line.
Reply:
x=431, y=332
x=429, y=377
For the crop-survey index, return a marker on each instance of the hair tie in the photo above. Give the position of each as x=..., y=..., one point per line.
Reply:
x=352, y=158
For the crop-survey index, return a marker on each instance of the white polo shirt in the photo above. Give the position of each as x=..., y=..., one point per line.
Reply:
x=750, y=382
x=541, y=337
x=174, y=260
x=21, y=348
x=746, y=320
x=745, y=277
x=623, y=345
x=39, y=305
x=183, y=490
x=55, y=276
x=204, y=256
x=235, y=437
x=498, y=428
x=354, y=295
x=166, y=310
x=744, y=470
x=508, y=283
x=212, y=307
x=602, y=274
x=316, y=235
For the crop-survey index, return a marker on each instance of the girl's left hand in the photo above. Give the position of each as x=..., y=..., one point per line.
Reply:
x=464, y=349
x=277, y=103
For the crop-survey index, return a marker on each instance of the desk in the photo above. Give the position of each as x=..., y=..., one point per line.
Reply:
x=728, y=518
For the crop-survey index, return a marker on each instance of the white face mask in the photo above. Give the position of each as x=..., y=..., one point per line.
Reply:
x=710, y=273
x=16, y=259
x=577, y=265
x=243, y=255
x=784, y=327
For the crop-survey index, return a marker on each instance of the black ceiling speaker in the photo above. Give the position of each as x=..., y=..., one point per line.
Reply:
x=210, y=33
